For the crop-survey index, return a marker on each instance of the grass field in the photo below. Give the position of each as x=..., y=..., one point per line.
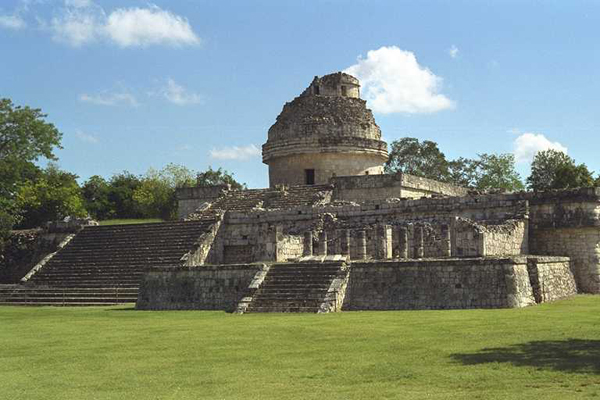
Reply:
x=129, y=221
x=543, y=352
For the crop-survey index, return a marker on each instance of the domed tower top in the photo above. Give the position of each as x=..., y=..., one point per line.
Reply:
x=338, y=84
x=326, y=131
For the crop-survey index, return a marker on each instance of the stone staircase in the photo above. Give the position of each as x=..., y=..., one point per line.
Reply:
x=297, y=287
x=103, y=264
x=272, y=199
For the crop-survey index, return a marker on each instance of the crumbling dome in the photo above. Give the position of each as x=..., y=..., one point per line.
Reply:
x=326, y=131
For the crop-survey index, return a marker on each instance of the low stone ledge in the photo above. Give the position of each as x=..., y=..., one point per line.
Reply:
x=203, y=287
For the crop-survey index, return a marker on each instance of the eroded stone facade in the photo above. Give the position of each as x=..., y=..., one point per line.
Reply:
x=402, y=242
x=327, y=131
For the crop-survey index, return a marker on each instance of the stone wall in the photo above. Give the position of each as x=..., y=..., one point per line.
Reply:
x=381, y=187
x=289, y=247
x=290, y=170
x=505, y=239
x=189, y=199
x=24, y=249
x=582, y=245
x=551, y=278
x=426, y=187
x=203, y=247
x=257, y=228
x=439, y=284
x=195, y=288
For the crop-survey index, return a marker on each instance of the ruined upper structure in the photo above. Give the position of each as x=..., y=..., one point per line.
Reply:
x=326, y=131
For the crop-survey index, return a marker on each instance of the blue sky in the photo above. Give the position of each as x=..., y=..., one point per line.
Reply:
x=134, y=85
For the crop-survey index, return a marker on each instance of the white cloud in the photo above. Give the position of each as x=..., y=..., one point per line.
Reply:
x=85, y=137
x=528, y=144
x=12, y=22
x=79, y=3
x=177, y=94
x=110, y=99
x=82, y=22
x=393, y=81
x=77, y=26
x=148, y=26
x=235, y=153
x=453, y=51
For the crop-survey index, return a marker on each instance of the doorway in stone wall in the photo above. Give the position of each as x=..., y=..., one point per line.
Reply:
x=309, y=175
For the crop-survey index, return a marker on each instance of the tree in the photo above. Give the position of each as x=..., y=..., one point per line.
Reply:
x=553, y=169
x=497, y=171
x=463, y=172
x=212, y=177
x=55, y=194
x=95, y=193
x=120, y=195
x=25, y=137
x=155, y=196
x=424, y=159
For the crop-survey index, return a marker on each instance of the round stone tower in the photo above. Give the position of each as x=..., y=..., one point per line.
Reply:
x=326, y=131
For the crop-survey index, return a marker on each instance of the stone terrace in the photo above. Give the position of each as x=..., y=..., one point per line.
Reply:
x=103, y=264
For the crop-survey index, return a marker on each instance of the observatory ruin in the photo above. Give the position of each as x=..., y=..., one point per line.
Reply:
x=333, y=232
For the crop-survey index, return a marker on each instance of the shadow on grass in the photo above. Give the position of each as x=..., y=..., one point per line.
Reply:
x=572, y=355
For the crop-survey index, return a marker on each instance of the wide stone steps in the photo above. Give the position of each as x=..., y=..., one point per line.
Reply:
x=103, y=265
x=298, y=287
x=283, y=309
x=89, y=278
x=154, y=240
x=67, y=296
x=116, y=261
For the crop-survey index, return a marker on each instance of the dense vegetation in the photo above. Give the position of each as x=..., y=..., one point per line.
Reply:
x=549, y=351
x=550, y=169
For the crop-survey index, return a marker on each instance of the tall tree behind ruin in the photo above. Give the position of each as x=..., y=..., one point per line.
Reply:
x=423, y=159
x=25, y=137
x=552, y=169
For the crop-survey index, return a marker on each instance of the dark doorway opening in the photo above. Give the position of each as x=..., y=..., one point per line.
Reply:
x=309, y=175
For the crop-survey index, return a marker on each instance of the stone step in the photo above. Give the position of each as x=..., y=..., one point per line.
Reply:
x=148, y=227
x=116, y=243
x=54, y=304
x=319, y=274
x=279, y=297
x=90, y=271
x=94, y=284
x=99, y=292
x=108, y=253
x=75, y=279
x=142, y=263
x=59, y=299
x=282, y=309
x=296, y=282
x=290, y=290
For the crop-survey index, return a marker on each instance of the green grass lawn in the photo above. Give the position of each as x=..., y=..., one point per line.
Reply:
x=550, y=351
x=129, y=221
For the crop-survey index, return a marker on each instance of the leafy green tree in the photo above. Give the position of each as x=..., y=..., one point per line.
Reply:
x=52, y=196
x=212, y=177
x=120, y=195
x=155, y=196
x=553, y=169
x=463, y=172
x=424, y=159
x=497, y=171
x=25, y=137
x=95, y=193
